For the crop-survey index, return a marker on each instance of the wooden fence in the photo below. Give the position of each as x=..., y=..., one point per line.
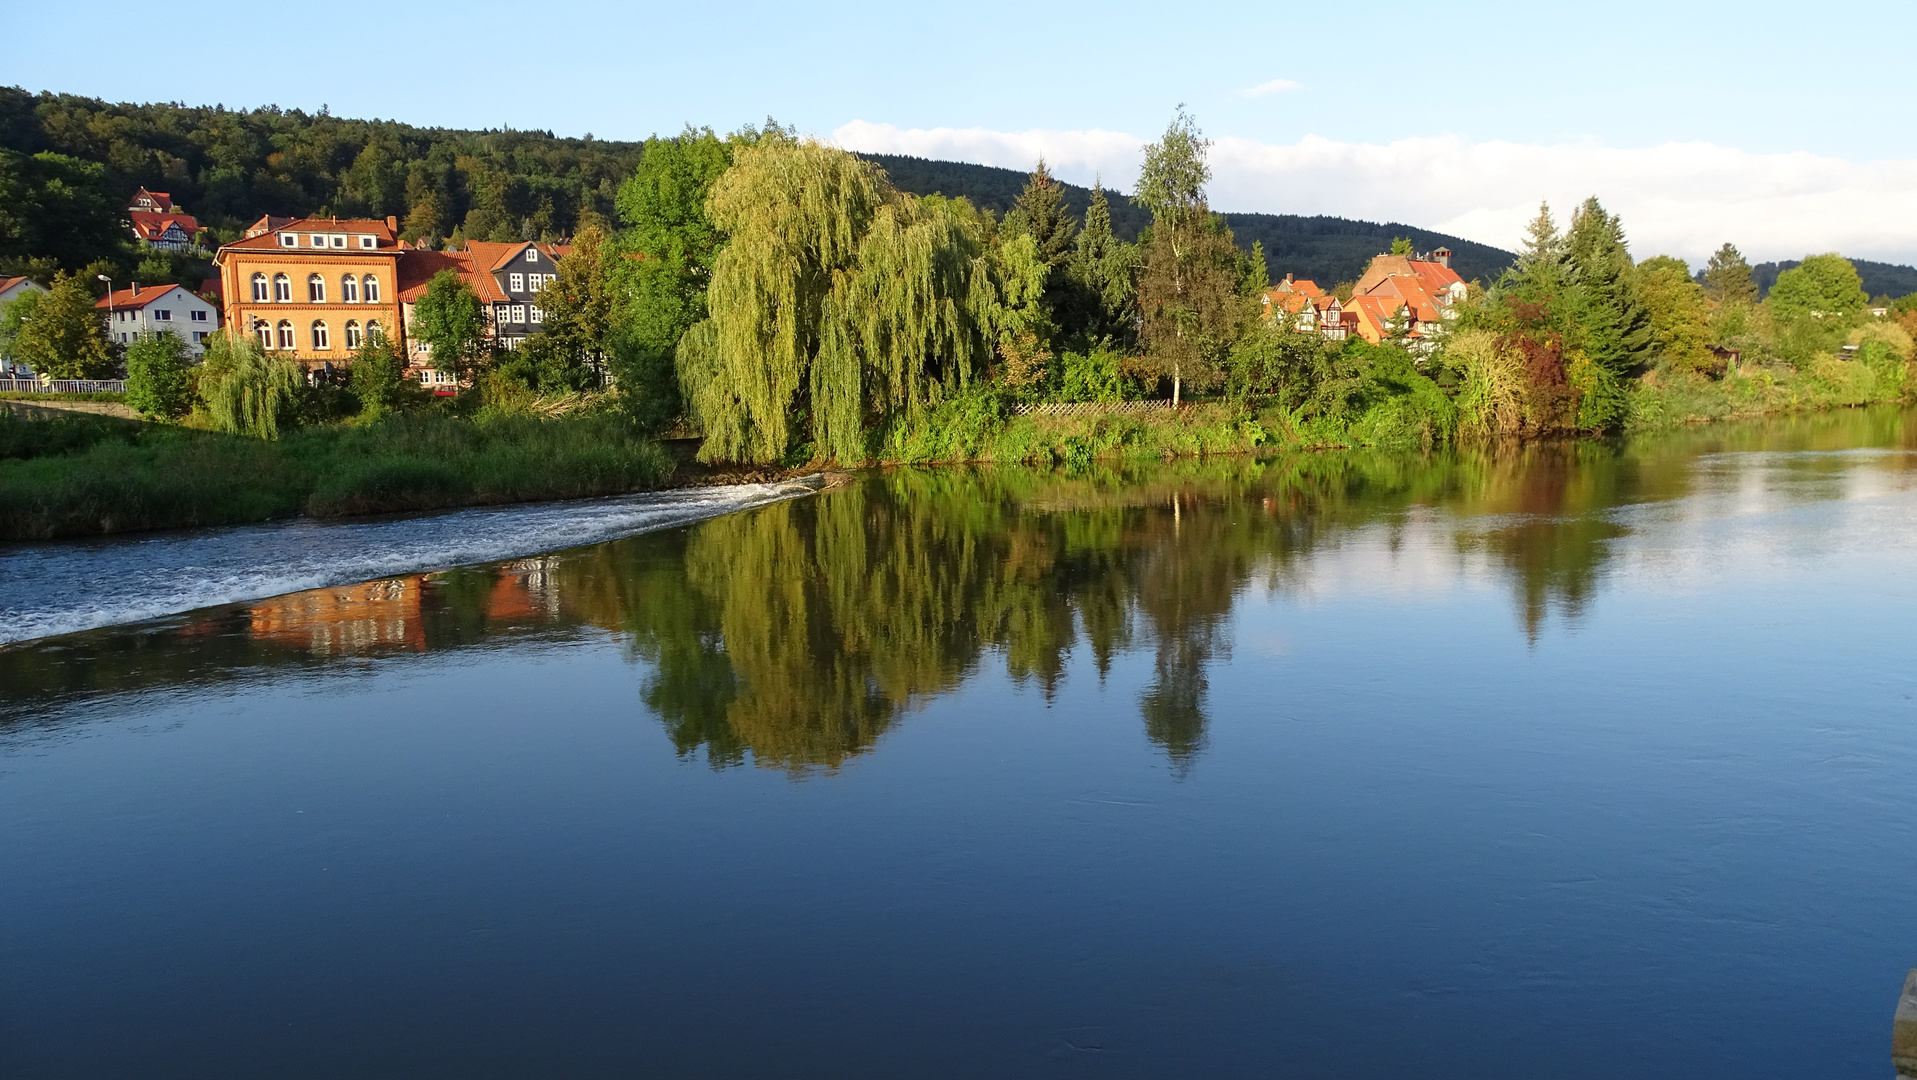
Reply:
x=1090, y=408
x=63, y=386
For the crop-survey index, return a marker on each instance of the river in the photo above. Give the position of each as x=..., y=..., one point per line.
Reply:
x=1572, y=760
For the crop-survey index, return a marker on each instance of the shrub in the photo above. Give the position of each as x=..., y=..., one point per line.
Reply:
x=157, y=386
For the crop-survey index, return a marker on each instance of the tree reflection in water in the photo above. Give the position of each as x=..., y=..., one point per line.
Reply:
x=796, y=634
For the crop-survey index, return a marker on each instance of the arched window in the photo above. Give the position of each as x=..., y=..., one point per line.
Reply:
x=319, y=336
x=373, y=332
x=349, y=289
x=282, y=288
x=264, y=331
x=260, y=295
x=315, y=289
x=286, y=334
x=352, y=332
x=371, y=285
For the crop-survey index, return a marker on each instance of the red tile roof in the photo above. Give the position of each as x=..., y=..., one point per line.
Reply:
x=9, y=282
x=418, y=268
x=132, y=298
x=260, y=240
x=151, y=224
x=160, y=199
x=1411, y=290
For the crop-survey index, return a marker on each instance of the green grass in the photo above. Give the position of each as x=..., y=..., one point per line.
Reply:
x=33, y=395
x=1674, y=399
x=154, y=477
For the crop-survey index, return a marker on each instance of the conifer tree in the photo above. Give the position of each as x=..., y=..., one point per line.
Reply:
x=1041, y=214
x=1542, y=258
x=1617, y=327
x=1102, y=271
x=1727, y=277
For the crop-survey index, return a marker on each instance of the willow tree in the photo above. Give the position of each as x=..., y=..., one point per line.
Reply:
x=838, y=302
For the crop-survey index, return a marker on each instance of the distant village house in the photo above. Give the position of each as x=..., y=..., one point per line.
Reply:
x=156, y=308
x=1408, y=297
x=158, y=223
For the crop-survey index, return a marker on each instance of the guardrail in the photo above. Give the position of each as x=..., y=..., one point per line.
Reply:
x=63, y=386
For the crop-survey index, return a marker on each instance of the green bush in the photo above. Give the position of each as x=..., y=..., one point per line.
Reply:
x=157, y=386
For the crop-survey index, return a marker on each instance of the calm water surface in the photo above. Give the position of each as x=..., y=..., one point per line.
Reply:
x=1574, y=761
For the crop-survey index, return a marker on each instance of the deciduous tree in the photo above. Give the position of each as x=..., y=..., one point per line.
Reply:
x=157, y=386
x=64, y=335
x=451, y=321
x=1188, y=283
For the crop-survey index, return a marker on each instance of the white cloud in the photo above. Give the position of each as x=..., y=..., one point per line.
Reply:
x=1275, y=86
x=1681, y=199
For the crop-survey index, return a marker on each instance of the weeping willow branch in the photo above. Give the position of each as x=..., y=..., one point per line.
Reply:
x=838, y=302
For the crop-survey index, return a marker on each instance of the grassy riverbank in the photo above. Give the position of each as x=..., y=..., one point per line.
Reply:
x=89, y=476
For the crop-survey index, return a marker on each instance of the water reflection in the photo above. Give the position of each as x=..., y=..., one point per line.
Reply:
x=795, y=635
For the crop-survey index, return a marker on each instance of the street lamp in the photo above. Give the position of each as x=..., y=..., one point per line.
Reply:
x=109, y=282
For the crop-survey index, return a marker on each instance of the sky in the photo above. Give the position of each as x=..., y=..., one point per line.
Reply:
x=1778, y=127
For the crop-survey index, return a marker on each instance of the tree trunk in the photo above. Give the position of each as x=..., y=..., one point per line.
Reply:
x=1175, y=382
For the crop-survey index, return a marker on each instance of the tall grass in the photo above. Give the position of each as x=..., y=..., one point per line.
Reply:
x=170, y=478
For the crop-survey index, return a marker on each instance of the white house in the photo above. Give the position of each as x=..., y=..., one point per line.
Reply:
x=135, y=311
x=11, y=289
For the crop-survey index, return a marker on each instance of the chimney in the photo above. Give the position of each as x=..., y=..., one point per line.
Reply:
x=392, y=223
x=1443, y=257
x=1287, y=279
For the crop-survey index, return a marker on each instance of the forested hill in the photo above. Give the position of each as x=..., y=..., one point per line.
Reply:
x=1880, y=280
x=229, y=166
x=1325, y=249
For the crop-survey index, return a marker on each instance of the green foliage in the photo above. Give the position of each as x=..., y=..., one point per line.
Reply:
x=135, y=477
x=1823, y=287
x=450, y=319
x=248, y=392
x=1727, y=277
x=1097, y=374
x=837, y=302
x=1679, y=310
x=1616, y=328
x=1171, y=184
x=61, y=333
x=1102, y=274
x=1401, y=246
x=230, y=166
x=577, y=307
x=58, y=208
x=379, y=380
x=157, y=382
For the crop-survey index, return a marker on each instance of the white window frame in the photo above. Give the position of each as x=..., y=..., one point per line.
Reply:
x=519, y=314
x=318, y=240
x=282, y=296
x=353, y=336
x=163, y=314
x=262, y=289
x=534, y=315
x=196, y=315
x=532, y=254
x=322, y=337
x=515, y=283
x=315, y=289
x=284, y=332
x=369, y=289
x=339, y=241
x=369, y=241
x=288, y=239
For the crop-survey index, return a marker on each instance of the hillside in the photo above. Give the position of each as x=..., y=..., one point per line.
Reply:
x=1880, y=279
x=1325, y=249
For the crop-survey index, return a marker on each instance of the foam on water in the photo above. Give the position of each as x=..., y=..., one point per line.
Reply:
x=48, y=589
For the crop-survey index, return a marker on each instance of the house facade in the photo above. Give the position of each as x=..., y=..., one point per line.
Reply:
x=159, y=223
x=155, y=308
x=506, y=278
x=11, y=289
x=313, y=289
x=1408, y=296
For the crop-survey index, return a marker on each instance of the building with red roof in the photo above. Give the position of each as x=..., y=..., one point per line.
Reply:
x=313, y=289
x=154, y=309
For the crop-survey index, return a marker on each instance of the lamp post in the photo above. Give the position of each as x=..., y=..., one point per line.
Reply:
x=109, y=282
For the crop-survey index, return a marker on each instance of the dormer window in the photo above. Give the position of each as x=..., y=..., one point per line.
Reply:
x=368, y=241
x=339, y=241
x=287, y=239
x=318, y=240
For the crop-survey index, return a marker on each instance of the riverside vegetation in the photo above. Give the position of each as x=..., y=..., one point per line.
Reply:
x=783, y=299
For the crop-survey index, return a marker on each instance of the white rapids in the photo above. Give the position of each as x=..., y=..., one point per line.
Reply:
x=60, y=588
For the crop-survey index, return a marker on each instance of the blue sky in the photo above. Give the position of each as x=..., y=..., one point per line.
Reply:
x=1764, y=83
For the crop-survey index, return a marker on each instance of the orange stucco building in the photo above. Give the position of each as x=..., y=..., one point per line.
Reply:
x=312, y=289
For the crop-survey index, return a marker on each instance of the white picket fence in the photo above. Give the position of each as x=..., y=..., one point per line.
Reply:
x=63, y=386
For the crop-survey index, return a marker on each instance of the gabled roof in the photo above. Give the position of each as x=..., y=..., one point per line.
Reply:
x=152, y=225
x=1436, y=277
x=267, y=224
x=1301, y=286
x=494, y=256
x=418, y=268
x=160, y=199
x=7, y=283
x=135, y=298
x=1411, y=290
